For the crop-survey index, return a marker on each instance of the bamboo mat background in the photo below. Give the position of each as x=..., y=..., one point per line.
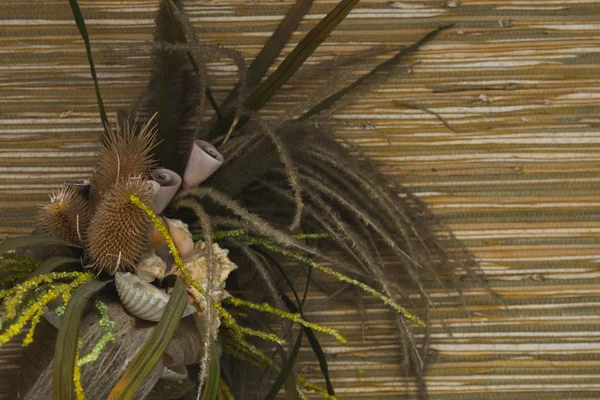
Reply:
x=517, y=178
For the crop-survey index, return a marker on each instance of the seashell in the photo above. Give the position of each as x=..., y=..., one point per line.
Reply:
x=169, y=183
x=181, y=237
x=142, y=299
x=151, y=268
x=174, y=373
x=204, y=161
x=197, y=267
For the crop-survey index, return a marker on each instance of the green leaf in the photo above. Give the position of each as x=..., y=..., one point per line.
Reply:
x=52, y=263
x=33, y=240
x=314, y=342
x=277, y=42
x=299, y=55
x=328, y=102
x=287, y=369
x=315, y=345
x=80, y=21
x=66, y=342
x=211, y=390
x=152, y=351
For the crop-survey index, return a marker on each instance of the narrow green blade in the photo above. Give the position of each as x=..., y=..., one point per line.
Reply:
x=277, y=42
x=328, y=102
x=66, y=342
x=80, y=21
x=211, y=390
x=152, y=351
x=299, y=55
x=33, y=240
x=54, y=262
x=287, y=369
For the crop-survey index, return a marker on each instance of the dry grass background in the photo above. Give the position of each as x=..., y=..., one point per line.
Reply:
x=516, y=177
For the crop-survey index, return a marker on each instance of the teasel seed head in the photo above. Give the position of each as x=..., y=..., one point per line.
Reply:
x=126, y=154
x=67, y=215
x=120, y=233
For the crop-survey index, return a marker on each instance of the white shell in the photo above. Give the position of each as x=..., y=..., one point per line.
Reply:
x=204, y=161
x=173, y=375
x=169, y=182
x=142, y=299
x=151, y=268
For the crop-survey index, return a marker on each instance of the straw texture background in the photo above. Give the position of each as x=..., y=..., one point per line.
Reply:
x=517, y=178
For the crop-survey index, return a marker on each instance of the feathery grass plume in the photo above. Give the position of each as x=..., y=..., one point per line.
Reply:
x=120, y=232
x=173, y=93
x=125, y=154
x=67, y=215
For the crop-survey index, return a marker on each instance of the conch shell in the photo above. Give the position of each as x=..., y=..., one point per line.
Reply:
x=168, y=184
x=197, y=267
x=143, y=299
x=204, y=161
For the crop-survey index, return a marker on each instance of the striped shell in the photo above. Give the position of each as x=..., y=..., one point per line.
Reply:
x=143, y=299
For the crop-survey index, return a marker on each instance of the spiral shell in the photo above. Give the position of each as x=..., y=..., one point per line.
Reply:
x=142, y=299
x=204, y=161
x=169, y=183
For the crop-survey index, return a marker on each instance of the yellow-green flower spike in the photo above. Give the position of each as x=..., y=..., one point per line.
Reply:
x=79, y=393
x=108, y=335
x=224, y=391
x=226, y=317
x=341, y=277
x=297, y=318
x=33, y=311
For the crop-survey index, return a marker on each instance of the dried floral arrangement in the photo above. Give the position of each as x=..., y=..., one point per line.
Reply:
x=125, y=289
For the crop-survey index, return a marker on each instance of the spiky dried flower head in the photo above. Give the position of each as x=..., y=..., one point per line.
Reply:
x=126, y=154
x=119, y=233
x=67, y=215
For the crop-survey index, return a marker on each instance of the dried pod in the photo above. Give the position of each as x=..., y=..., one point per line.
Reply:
x=125, y=154
x=198, y=268
x=169, y=182
x=204, y=161
x=119, y=234
x=143, y=299
x=67, y=216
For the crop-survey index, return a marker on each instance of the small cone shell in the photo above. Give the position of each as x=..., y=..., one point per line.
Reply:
x=126, y=154
x=67, y=216
x=120, y=232
x=204, y=161
x=169, y=182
